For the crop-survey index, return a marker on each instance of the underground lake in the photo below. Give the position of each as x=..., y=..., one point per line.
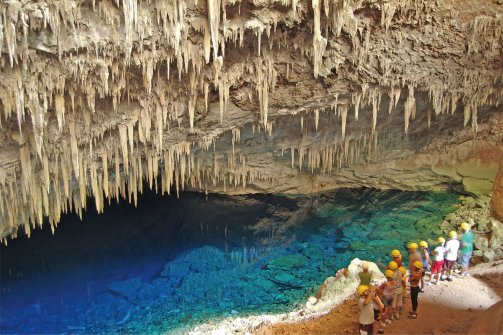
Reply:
x=172, y=264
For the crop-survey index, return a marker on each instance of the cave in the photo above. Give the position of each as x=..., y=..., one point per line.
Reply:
x=218, y=167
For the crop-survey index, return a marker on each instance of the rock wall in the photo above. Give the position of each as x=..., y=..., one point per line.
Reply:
x=497, y=197
x=101, y=99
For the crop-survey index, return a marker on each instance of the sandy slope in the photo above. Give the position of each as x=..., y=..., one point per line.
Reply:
x=445, y=309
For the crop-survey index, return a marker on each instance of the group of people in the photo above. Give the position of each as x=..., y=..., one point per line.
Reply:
x=380, y=304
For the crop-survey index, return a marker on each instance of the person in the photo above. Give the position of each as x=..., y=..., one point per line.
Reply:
x=438, y=254
x=365, y=275
x=392, y=266
x=397, y=257
x=451, y=255
x=414, y=256
x=370, y=306
x=379, y=314
x=403, y=271
x=416, y=284
x=466, y=247
x=425, y=256
x=397, y=292
x=366, y=317
x=387, y=290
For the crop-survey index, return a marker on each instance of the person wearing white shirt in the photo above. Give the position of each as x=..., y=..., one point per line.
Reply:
x=451, y=256
x=438, y=263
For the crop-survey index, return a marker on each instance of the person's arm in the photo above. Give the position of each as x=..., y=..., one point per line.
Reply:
x=378, y=302
x=369, y=296
x=422, y=283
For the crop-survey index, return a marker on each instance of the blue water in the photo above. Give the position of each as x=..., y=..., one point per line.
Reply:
x=173, y=263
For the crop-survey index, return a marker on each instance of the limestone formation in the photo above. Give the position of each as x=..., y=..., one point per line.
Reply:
x=103, y=98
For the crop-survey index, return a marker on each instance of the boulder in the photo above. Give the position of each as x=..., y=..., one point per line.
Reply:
x=451, y=217
x=482, y=223
x=469, y=202
x=499, y=254
x=496, y=233
x=481, y=242
x=489, y=255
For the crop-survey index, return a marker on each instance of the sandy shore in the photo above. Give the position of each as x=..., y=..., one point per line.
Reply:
x=444, y=309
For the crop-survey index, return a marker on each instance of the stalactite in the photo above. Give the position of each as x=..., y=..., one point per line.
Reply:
x=124, y=144
x=59, y=106
x=343, y=109
x=213, y=8
x=355, y=99
x=409, y=108
x=319, y=43
x=387, y=12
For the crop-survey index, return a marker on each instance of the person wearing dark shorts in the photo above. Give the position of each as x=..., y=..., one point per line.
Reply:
x=416, y=284
x=451, y=255
x=366, y=317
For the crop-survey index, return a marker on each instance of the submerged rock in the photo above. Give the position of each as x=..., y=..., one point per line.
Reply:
x=126, y=288
x=288, y=263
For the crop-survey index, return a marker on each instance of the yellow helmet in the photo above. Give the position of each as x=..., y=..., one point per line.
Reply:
x=418, y=264
x=423, y=244
x=453, y=234
x=412, y=246
x=392, y=266
x=441, y=240
x=362, y=288
x=389, y=274
x=402, y=270
x=465, y=226
x=395, y=253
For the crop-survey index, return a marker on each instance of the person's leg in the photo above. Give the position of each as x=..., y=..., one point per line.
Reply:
x=450, y=268
x=435, y=271
x=397, y=303
x=440, y=271
x=414, y=293
x=379, y=325
x=365, y=330
x=388, y=312
x=423, y=274
x=465, y=263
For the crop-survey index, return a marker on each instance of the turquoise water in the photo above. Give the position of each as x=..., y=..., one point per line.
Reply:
x=171, y=264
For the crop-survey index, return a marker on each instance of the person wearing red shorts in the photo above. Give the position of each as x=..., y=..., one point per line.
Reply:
x=438, y=264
